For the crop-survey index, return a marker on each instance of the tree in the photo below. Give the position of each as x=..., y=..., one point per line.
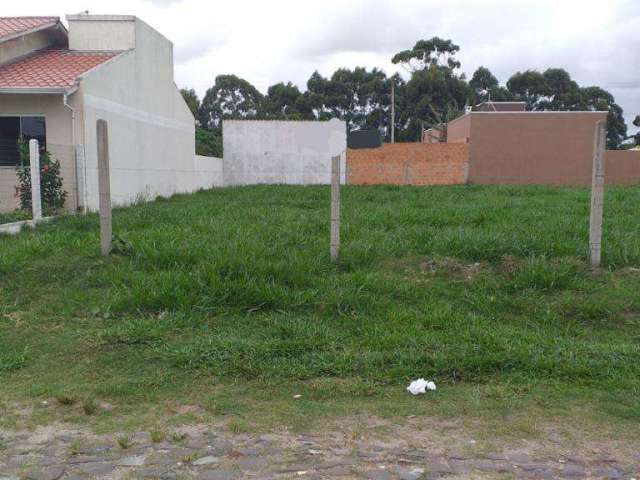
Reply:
x=598, y=99
x=193, y=102
x=483, y=79
x=435, y=53
x=287, y=102
x=485, y=86
x=208, y=143
x=555, y=90
x=529, y=86
x=435, y=93
x=230, y=97
x=562, y=92
x=358, y=96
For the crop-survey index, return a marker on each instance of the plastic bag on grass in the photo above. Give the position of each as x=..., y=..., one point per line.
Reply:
x=420, y=386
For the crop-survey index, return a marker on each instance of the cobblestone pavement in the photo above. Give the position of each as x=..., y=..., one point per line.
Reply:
x=207, y=453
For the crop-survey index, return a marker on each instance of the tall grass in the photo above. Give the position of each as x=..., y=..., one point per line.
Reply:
x=462, y=284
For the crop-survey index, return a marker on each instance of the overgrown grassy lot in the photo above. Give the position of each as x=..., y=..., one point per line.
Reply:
x=227, y=299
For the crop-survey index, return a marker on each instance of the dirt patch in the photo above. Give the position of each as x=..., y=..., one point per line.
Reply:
x=509, y=265
x=452, y=267
x=628, y=272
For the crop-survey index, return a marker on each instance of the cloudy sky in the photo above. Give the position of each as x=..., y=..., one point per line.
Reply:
x=270, y=41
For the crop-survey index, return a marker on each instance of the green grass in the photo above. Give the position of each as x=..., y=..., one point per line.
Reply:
x=15, y=216
x=483, y=289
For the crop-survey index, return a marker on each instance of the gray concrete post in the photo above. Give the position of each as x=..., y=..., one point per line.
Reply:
x=597, y=195
x=335, y=208
x=104, y=187
x=34, y=160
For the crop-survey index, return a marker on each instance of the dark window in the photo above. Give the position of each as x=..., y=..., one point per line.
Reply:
x=9, y=134
x=11, y=129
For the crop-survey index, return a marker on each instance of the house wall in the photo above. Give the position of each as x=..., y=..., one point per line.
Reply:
x=23, y=45
x=297, y=152
x=59, y=142
x=459, y=130
x=102, y=32
x=409, y=164
x=554, y=148
x=151, y=129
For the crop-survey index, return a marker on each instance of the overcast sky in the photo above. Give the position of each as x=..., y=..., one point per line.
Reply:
x=268, y=41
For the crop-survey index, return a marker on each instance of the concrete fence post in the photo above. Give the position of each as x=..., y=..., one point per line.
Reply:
x=335, y=208
x=597, y=195
x=104, y=187
x=34, y=161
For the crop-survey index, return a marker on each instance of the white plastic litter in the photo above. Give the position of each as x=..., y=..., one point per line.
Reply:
x=420, y=386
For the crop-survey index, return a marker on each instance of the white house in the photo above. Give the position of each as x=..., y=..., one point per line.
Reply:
x=56, y=83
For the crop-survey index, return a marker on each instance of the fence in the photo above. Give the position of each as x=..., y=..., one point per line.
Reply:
x=409, y=164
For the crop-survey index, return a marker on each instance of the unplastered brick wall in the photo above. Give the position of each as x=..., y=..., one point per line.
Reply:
x=409, y=164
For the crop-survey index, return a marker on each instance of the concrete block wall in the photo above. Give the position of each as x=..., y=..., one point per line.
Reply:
x=409, y=164
x=207, y=172
x=282, y=152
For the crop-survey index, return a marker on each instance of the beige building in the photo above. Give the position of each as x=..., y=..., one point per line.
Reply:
x=55, y=83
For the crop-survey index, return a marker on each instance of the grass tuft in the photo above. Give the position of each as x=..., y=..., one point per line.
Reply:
x=90, y=406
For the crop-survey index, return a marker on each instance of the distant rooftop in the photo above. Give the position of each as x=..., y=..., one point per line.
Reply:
x=491, y=106
x=11, y=27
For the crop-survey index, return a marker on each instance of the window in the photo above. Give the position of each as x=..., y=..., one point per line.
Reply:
x=11, y=129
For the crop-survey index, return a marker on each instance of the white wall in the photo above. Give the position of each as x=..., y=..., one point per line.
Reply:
x=207, y=172
x=151, y=129
x=287, y=152
x=101, y=32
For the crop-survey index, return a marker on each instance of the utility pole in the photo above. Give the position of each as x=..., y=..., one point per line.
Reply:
x=393, y=112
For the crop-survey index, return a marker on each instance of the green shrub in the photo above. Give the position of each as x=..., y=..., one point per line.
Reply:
x=52, y=194
x=208, y=143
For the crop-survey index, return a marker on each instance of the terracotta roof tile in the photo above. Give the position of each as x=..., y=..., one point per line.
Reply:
x=50, y=68
x=10, y=26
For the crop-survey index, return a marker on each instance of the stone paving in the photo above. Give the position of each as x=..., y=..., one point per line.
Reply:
x=51, y=453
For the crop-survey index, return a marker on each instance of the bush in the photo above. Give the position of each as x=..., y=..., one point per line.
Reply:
x=52, y=194
x=208, y=143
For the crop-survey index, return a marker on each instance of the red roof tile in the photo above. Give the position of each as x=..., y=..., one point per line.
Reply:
x=10, y=26
x=50, y=68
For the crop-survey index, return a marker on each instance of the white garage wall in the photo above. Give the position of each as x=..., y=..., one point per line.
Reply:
x=151, y=130
x=282, y=152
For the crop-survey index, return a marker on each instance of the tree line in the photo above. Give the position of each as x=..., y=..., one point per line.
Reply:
x=435, y=92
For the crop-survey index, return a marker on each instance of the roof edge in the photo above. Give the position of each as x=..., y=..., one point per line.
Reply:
x=80, y=17
x=35, y=90
x=39, y=28
x=115, y=57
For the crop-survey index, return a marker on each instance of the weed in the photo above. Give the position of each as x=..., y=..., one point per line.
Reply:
x=65, y=399
x=76, y=447
x=157, y=436
x=124, y=442
x=90, y=406
x=238, y=425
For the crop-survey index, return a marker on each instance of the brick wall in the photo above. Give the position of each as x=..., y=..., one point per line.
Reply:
x=409, y=164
